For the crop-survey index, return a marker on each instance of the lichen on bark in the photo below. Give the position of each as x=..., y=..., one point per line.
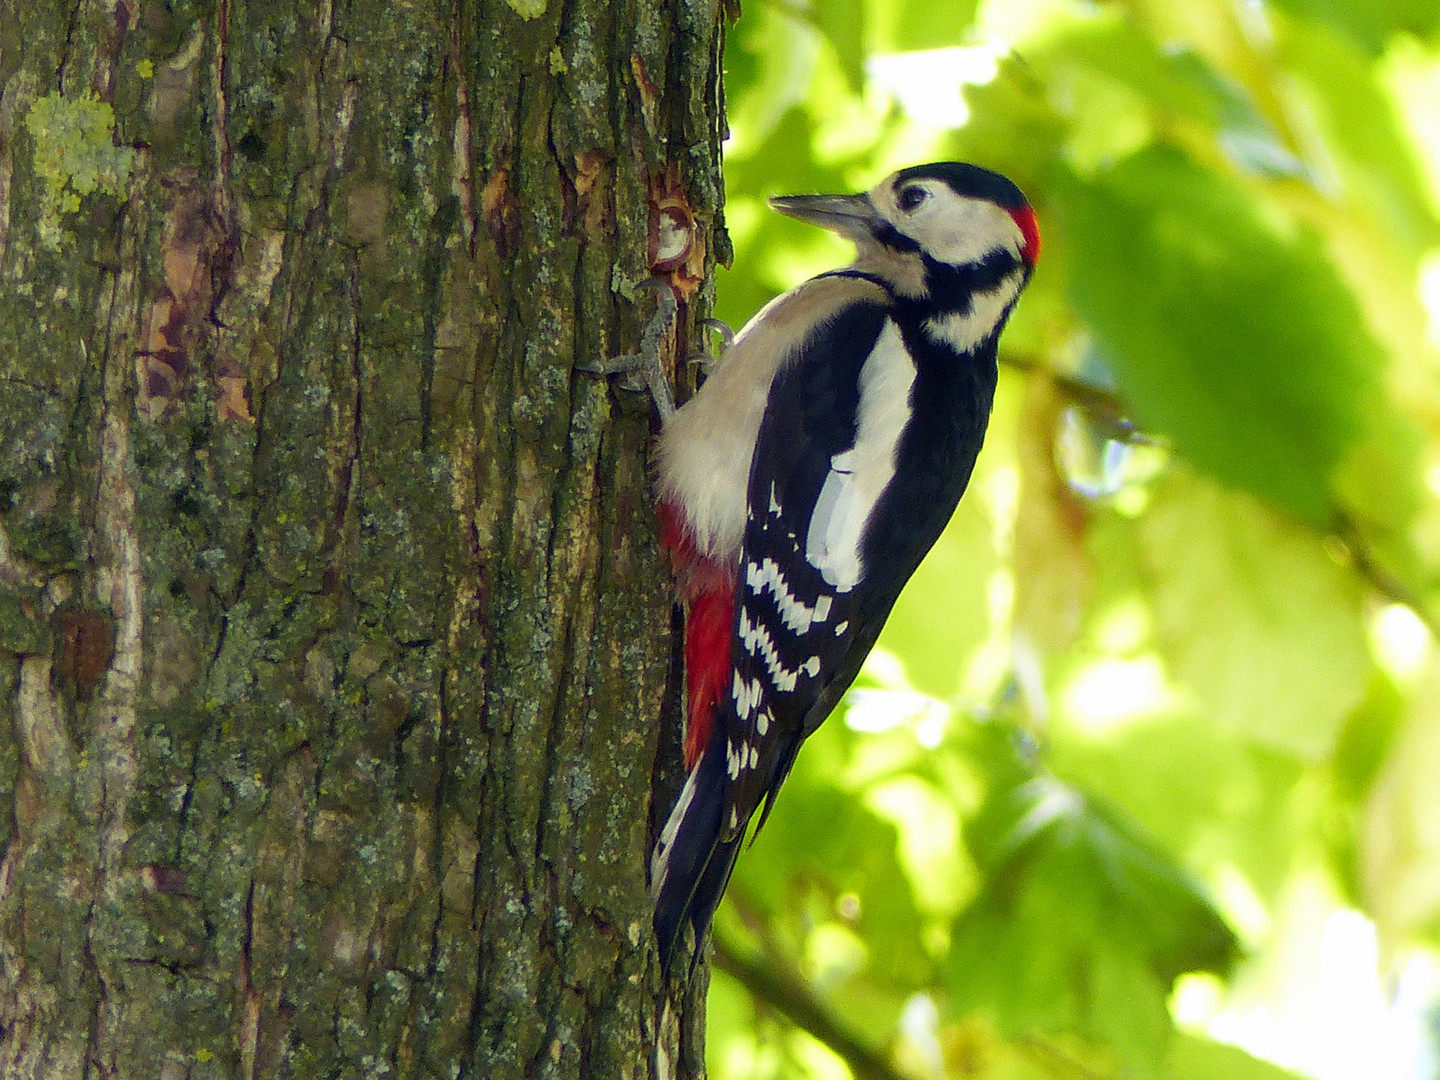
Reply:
x=331, y=624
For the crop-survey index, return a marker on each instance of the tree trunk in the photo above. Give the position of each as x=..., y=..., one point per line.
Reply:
x=331, y=623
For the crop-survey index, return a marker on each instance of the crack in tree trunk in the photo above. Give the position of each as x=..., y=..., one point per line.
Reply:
x=331, y=625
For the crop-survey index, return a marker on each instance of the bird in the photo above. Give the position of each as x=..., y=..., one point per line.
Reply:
x=802, y=484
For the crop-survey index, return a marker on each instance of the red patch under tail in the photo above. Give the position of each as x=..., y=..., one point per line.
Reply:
x=707, y=589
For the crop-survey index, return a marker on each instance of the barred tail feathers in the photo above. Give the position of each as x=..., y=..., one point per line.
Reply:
x=691, y=864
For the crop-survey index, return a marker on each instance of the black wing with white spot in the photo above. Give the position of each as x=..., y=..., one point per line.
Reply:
x=877, y=389
x=817, y=473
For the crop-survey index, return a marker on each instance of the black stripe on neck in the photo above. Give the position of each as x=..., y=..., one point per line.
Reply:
x=894, y=239
x=951, y=288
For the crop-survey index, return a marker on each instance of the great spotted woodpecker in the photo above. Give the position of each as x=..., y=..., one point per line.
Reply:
x=804, y=482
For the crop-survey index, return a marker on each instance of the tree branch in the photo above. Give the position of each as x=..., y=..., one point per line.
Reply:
x=788, y=996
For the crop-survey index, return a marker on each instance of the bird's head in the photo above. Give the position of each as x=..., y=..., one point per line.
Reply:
x=929, y=222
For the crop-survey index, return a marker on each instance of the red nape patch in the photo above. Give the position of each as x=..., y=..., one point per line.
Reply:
x=709, y=628
x=1030, y=230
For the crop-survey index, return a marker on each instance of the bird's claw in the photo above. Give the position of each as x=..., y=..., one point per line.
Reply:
x=645, y=370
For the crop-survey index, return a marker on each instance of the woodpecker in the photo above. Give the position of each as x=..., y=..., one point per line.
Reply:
x=804, y=482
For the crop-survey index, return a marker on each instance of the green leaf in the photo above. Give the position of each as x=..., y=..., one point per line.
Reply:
x=904, y=25
x=822, y=843
x=1377, y=167
x=1226, y=327
x=1194, y=1058
x=1368, y=23
x=842, y=23
x=1012, y=127
x=940, y=619
x=1082, y=925
x=1102, y=42
x=1254, y=616
x=774, y=57
x=1205, y=792
x=1399, y=844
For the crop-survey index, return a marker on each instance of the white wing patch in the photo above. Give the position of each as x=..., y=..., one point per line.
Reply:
x=704, y=450
x=859, y=476
x=740, y=757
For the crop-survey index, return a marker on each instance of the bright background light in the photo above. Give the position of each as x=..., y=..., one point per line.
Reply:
x=1176, y=651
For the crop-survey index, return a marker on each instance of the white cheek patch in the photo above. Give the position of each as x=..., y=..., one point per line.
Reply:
x=957, y=230
x=859, y=476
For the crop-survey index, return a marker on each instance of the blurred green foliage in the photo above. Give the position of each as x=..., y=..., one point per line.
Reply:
x=1141, y=779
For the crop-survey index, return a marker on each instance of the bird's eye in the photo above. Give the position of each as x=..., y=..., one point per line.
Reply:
x=911, y=197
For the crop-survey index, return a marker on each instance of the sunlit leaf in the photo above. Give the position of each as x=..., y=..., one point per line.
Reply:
x=1104, y=42
x=1368, y=23
x=1256, y=619
x=1194, y=1058
x=937, y=639
x=842, y=22
x=1117, y=919
x=1225, y=325
x=775, y=53
x=1368, y=152
x=823, y=844
x=1204, y=792
x=1052, y=569
x=1012, y=127
x=1400, y=840
x=903, y=25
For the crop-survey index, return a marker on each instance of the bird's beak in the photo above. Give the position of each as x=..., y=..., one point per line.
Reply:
x=849, y=215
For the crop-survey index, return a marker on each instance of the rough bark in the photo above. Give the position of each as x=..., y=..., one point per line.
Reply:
x=332, y=632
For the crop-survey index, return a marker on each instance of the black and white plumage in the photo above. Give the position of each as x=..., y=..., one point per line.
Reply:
x=804, y=483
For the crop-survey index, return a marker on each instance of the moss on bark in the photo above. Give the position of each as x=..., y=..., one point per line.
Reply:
x=331, y=623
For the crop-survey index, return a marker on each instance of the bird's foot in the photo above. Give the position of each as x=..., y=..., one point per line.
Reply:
x=645, y=370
